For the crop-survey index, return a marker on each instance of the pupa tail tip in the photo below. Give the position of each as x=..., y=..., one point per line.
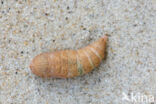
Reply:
x=105, y=37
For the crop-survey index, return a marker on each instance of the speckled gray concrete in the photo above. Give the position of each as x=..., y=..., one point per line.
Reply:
x=29, y=27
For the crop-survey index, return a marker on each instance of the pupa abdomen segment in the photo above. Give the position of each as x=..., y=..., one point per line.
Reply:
x=69, y=63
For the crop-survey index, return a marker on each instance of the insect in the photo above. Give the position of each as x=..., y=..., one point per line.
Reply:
x=69, y=63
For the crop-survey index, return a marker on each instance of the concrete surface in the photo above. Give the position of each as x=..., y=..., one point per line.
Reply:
x=29, y=27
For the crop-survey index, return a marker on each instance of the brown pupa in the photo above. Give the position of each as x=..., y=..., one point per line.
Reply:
x=69, y=63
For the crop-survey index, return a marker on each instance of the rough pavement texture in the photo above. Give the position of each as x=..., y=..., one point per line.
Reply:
x=29, y=27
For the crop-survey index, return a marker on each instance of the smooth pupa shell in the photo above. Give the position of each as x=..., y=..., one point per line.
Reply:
x=69, y=63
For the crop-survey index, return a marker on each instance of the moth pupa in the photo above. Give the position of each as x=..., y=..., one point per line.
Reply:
x=69, y=63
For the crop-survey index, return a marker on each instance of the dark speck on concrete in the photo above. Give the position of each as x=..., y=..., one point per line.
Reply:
x=84, y=28
x=67, y=7
x=46, y=14
x=66, y=18
x=135, y=25
x=22, y=52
